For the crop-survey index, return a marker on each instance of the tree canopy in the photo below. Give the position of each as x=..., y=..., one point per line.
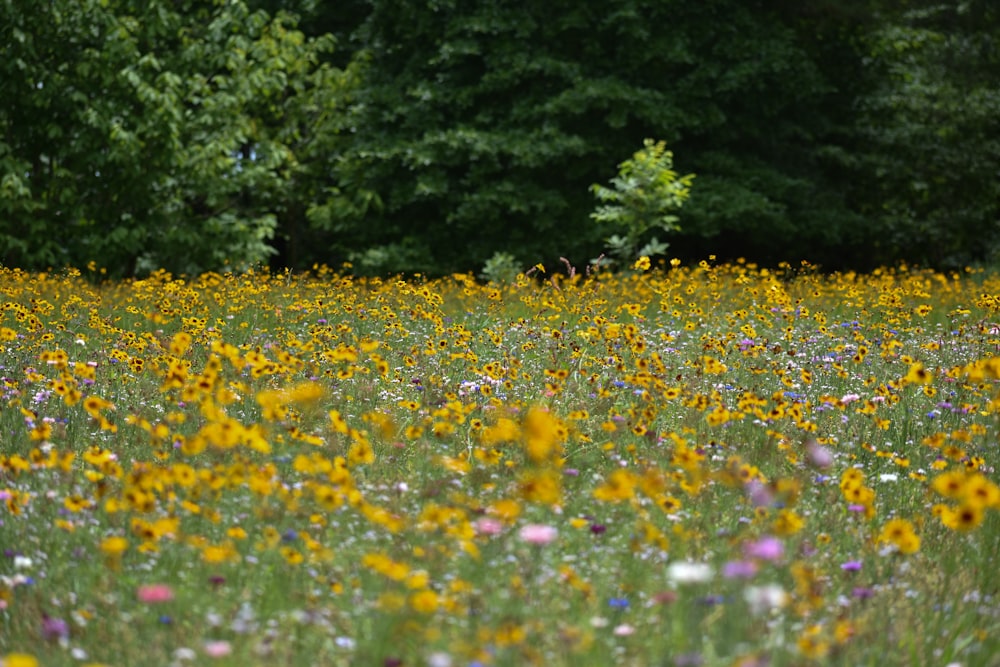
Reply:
x=431, y=136
x=156, y=134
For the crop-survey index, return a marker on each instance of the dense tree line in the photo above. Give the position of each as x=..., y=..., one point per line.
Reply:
x=431, y=136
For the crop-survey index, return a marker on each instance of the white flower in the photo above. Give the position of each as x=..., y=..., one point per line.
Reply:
x=439, y=659
x=184, y=653
x=765, y=598
x=689, y=573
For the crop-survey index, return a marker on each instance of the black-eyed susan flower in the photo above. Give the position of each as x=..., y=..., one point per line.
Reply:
x=900, y=533
x=964, y=517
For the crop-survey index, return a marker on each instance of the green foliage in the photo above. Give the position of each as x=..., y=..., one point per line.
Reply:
x=502, y=267
x=156, y=134
x=930, y=131
x=484, y=123
x=642, y=198
x=426, y=136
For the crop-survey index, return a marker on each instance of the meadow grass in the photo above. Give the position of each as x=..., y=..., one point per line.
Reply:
x=705, y=465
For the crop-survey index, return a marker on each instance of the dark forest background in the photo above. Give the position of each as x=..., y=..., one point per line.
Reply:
x=434, y=135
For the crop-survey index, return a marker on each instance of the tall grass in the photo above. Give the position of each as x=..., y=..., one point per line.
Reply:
x=707, y=465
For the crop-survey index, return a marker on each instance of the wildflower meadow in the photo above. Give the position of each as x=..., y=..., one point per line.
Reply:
x=674, y=465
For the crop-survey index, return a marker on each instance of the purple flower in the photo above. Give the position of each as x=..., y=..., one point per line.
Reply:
x=739, y=569
x=54, y=629
x=862, y=593
x=766, y=548
x=851, y=566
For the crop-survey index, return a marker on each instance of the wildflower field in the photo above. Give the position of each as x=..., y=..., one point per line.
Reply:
x=705, y=465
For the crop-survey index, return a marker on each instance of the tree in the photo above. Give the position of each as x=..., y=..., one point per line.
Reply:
x=643, y=197
x=485, y=122
x=929, y=133
x=142, y=135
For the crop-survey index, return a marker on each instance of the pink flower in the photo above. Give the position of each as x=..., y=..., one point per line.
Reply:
x=218, y=648
x=624, y=630
x=538, y=534
x=818, y=455
x=154, y=593
x=489, y=526
x=760, y=495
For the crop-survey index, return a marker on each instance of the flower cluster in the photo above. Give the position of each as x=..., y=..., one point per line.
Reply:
x=709, y=465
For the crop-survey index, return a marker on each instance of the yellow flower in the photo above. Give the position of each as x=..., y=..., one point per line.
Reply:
x=220, y=553
x=900, y=533
x=641, y=264
x=506, y=510
x=919, y=375
x=949, y=484
x=542, y=433
x=542, y=486
x=852, y=477
x=425, y=602
x=963, y=518
x=812, y=645
x=305, y=393
x=94, y=404
x=236, y=533
x=386, y=566
x=337, y=422
x=844, y=630
x=291, y=556
x=510, y=634
x=788, y=523
x=980, y=491
x=361, y=452
x=504, y=430
x=41, y=433
x=114, y=546
x=418, y=580
x=180, y=343
x=20, y=660
x=619, y=486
